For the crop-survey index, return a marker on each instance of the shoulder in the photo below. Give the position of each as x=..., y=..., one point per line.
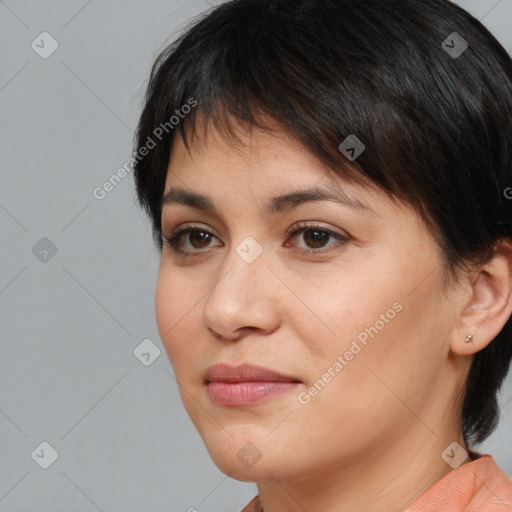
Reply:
x=253, y=506
x=476, y=486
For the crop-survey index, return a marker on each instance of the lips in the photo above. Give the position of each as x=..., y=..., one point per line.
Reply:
x=246, y=385
x=244, y=373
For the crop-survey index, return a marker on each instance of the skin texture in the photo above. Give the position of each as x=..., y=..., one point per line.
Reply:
x=372, y=438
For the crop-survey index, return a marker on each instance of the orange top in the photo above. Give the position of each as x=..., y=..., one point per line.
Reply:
x=478, y=486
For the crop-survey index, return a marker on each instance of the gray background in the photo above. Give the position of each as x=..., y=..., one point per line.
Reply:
x=70, y=323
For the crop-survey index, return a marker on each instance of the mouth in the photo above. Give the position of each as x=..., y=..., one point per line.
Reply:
x=245, y=384
x=244, y=373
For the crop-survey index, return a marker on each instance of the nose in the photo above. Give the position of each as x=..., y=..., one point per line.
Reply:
x=243, y=297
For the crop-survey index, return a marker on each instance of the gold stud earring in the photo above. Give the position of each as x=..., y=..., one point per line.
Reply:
x=469, y=338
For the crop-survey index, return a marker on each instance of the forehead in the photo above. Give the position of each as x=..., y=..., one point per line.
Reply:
x=236, y=159
x=268, y=157
x=237, y=142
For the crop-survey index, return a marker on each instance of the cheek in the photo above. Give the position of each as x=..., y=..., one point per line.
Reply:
x=380, y=325
x=355, y=308
x=165, y=306
x=391, y=352
x=176, y=307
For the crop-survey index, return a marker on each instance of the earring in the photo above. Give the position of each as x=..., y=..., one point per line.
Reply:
x=469, y=338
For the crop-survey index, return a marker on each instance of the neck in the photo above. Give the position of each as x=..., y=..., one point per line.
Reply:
x=391, y=477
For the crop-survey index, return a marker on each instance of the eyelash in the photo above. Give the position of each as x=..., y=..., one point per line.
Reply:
x=174, y=238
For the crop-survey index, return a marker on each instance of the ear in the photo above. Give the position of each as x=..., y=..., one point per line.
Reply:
x=489, y=305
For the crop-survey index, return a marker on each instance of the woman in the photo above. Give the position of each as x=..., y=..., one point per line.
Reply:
x=328, y=184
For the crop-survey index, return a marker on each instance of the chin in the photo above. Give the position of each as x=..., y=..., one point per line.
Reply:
x=235, y=471
x=246, y=456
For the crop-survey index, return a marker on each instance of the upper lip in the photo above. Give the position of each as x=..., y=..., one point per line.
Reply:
x=244, y=373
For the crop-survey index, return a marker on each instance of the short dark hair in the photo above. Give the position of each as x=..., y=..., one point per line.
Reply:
x=437, y=126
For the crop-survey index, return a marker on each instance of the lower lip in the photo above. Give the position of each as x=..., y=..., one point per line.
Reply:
x=246, y=393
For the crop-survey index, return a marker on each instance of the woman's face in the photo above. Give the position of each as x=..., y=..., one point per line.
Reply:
x=360, y=323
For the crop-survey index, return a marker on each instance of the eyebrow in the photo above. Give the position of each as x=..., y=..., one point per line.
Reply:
x=279, y=204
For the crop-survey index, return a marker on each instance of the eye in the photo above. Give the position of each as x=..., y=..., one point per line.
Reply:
x=315, y=236
x=199, y=238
